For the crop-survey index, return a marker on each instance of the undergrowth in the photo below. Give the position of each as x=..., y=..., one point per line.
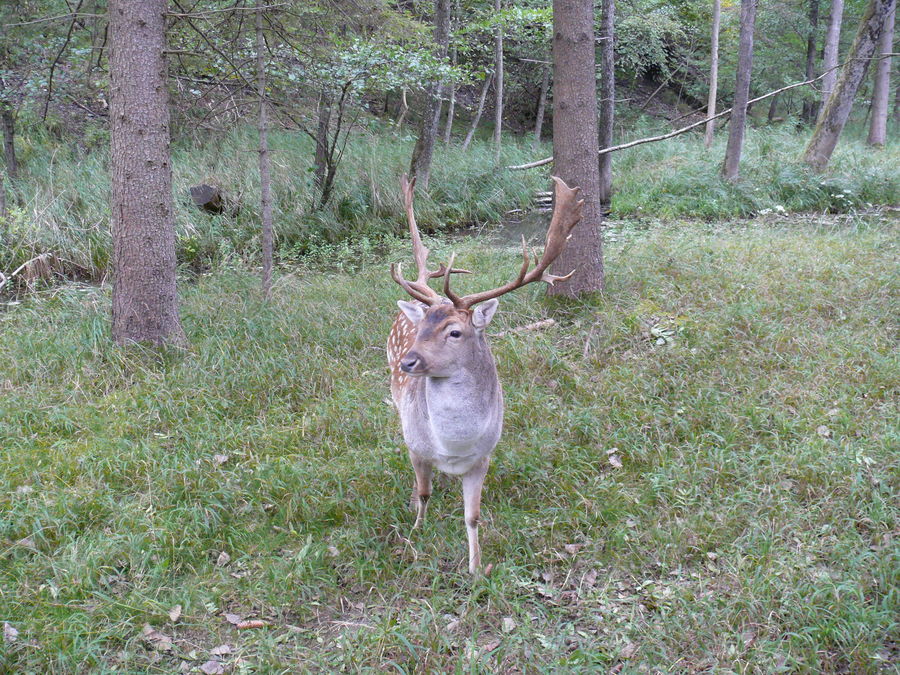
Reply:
x=698, y=471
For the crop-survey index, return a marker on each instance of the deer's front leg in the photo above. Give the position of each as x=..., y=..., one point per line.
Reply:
x=472, y=484
x=422, y=487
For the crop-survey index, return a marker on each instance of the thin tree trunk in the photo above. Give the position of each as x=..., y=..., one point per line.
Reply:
x=881, y=89
x=897, y=105
x=575, y=142
x=2, y=204
x=451, y=108
x=541, y=107
x=731, y=167
x=810, y=105
x=265, y=169
x=713, y=73
x=9, y=146
x=607, y=101
x=773, y=109
x=838, y=106
x=498, y=89
x=420, y=165
x=144, y=295
x=320, y=163
x=404, y=108
x=475, y=120
x=830, y=52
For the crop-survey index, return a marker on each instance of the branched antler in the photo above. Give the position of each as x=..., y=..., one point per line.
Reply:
x=419, y=289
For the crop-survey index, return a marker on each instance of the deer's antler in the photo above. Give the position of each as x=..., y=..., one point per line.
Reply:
x=419, y=289
x=566, y=215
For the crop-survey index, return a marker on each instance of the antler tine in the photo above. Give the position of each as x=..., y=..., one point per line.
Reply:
x=453, y=297
x=419, y=289
x=567, y=213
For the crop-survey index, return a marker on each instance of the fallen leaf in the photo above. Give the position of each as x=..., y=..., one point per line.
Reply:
x=333, y=552
x=452, y=626
x=509, y=624
x=616, y=461
x=251, y=623
x=823, y=431
x=572, y=549
x=223, y=559
x=234, y=618
x=489, y=647
x=221, y=650
x=590, y=578
x=488, y=569
x=10, y=633
x=220, y=459
x=156, y=639
x=24, y=490
x=833, y=412
x=212, y=668
x=628, y=650
x=175, y=613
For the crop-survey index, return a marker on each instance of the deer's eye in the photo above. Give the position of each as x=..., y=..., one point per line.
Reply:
x=455, y=333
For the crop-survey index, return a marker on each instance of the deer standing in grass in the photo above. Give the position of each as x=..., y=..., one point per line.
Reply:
x=443, y=376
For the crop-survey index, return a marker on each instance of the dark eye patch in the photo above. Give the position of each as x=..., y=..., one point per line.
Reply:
x=455, y=333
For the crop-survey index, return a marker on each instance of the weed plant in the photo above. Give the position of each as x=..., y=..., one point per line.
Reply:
x=698, y=471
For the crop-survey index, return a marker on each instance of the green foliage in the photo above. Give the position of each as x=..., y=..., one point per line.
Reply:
x=749, y=528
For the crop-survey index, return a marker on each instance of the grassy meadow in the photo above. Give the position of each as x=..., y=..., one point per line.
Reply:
x=699, y=469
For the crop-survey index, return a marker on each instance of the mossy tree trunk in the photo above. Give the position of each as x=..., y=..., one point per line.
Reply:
x=731, y=167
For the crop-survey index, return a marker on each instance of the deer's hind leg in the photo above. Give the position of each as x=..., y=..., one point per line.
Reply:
x=421, y=487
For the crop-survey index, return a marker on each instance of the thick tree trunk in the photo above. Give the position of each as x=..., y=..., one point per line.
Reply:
x=713, y=73
x=265, y=169
x=144, y=297
x=9, y=146
x=737, y=122
x=810, y=105
x=498, y=88
x=475, y=120
x=881, y=90
x=830, y=52
x=575, y=144
x=840, y=103
x=420, y=166
x=607, y=101
x=541, y=107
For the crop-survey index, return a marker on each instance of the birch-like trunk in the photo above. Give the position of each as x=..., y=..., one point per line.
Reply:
x=731, y=167
x=810, y=105
x=265, y=168
x=713, y=73
x=881, y=90
x=838, y=106
x=607, y=101
x=451, y=108
x=541, y=108
x=477, y=118
x=9, y=145
x=830, y=52
x=498, y=89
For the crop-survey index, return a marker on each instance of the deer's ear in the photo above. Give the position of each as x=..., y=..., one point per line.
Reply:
x=414, y=311
x=483, y=313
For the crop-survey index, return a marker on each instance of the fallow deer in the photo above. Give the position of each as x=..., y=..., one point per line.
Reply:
x=443, y=376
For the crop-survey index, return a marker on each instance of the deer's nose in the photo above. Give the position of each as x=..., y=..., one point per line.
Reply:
x=411, y=362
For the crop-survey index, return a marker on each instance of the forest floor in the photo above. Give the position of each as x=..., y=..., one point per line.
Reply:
x=699, y=471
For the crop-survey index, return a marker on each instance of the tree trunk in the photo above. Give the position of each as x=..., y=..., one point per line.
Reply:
x=881, y=90
x=420, y=166
x=713, y=73
x=265, y=169
x=607, y=101
x=320, y=163
x=810, y=104
x=9, y=146
x=541, y=107
x=144, y=296
x=575, y=142
x=832, y=44
x=2, y=204
x=475, y=120
x=498, y=88
x=451, y=108
x=840, y=103
x=731, y=168
x=773, y=108
x=404, y=108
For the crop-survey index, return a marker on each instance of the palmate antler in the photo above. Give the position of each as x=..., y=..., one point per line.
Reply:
x=419, y=289
x=566, y=215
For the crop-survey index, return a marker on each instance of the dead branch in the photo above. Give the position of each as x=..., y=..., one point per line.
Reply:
x=544, y=323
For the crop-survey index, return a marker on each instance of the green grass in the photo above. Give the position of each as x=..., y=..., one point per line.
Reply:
x=751, y=528
x=64, y=190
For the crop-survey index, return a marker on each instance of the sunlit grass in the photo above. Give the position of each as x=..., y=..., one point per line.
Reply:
x=751, y=527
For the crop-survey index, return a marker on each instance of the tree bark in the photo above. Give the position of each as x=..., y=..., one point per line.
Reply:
x=713, y=73
x=607, y=101
x=9, y=145
x=265, y=169
x=575, y=142
x=475, y=120
x=320, y=163
x=498, y=86
x=731, y=167
x=810, y=105
x=420, y=165
x=451, y=107
x=404, y=108
x=881, y=90
x=541, y=107
x=773, y=109
x=144, y=296
x=838, y=106
x=3, y=204
x=830, y=52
